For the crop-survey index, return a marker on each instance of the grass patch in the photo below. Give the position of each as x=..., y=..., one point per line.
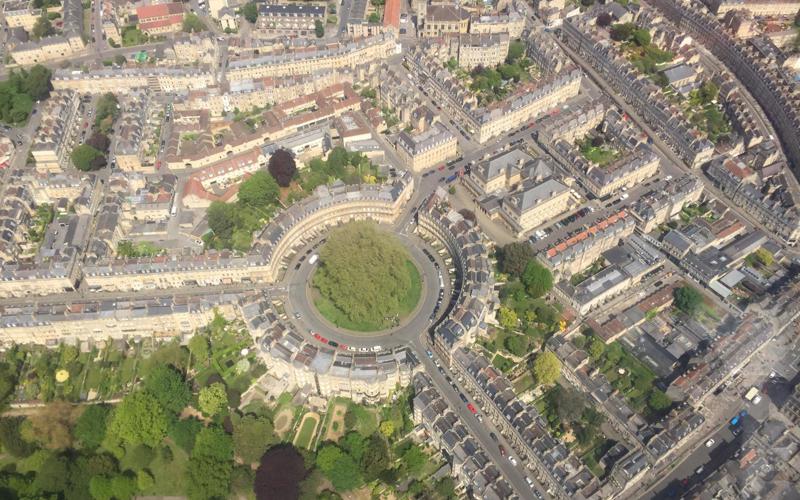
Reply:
x=336, y=316
x=602, y=155
x=169, y=475
x=305, y=435
x=365, y=419
x=523, y=383
x=502, y=363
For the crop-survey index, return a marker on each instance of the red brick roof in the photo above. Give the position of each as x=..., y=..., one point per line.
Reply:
x=391, y=13
x=146, y=12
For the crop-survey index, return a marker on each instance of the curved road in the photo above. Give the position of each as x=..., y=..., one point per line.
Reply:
x=298, y=301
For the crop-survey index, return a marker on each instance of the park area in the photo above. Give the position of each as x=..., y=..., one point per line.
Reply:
x=365, y=280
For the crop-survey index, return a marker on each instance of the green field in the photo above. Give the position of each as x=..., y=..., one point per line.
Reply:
x=305, y=436
x=333, y=314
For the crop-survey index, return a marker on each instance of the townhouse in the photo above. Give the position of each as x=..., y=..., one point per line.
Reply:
x=290, y=18
x=579, y=251
x=426, y=149
x=446, y=229
x=344, y=55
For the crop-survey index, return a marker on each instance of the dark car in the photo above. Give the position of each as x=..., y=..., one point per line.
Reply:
x=462, y=396
x=333, y=343
x=493, y=436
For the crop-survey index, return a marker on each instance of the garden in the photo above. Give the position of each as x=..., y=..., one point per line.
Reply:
x=580, y=426
x=627, y=374
x=596, y=150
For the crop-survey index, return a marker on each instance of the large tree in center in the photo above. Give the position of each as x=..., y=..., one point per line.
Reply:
x=364, y=273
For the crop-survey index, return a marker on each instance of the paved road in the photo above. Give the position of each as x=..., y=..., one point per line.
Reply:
x=297, y=283
x=515, y=475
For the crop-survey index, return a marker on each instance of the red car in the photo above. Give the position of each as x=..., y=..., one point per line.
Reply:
x=472, y=408
x=441, y=167
x=323, y=340
x=318, y=336
x=502, y=450
x=343, y=347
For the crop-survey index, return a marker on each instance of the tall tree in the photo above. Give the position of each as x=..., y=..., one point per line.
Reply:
x=687, y=299
x=252, y=436
x=37, y=82
x=213, y=399
x=259, y=191
x=514, y=258
x=537, y=279
x=169, y=388
x=139, y=418
x=250, y=12
x=546, y=368
x=42, y=27
x=282, y=167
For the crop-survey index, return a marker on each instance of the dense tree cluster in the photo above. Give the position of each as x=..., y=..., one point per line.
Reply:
x=687, y=299
x=364, y=272
x=513, y=258
x=233, y=224
x=18, y=93
x=250, y=12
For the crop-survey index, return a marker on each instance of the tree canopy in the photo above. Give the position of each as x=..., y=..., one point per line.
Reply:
x=87, y=158
x=260, y=190
x=42, y=27
x=339, y=467
x=250, y=12
x=687, y=299
x=20, y=90
x=139, y=419
x=213, y=399
x=282, y=167
x=251, y=437
x=193, y=24
x=364, y=273
x=168, y=387
x=537, y=279
x=513, y=258
x=546, y=368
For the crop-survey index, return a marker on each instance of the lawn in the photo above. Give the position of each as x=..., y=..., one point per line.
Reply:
x=333, y=314
x=169, y=475
x=132, y=36
x=523, y=383
x=502, y=363
x=601, y=155
x=305, y=435
x=366, y=418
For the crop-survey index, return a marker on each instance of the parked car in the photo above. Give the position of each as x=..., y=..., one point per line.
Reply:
x=472, y=409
